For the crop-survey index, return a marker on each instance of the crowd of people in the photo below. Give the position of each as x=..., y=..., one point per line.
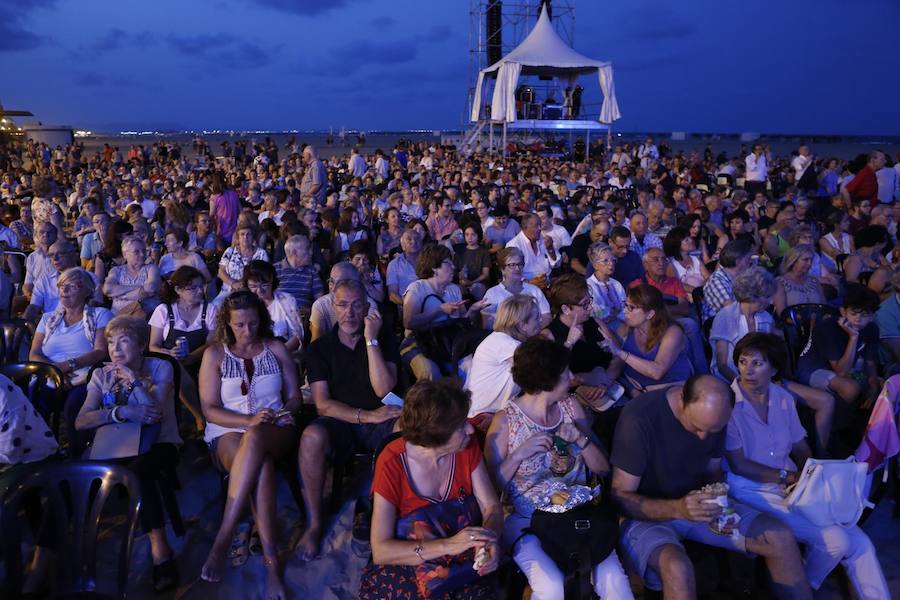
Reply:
x=463, y=318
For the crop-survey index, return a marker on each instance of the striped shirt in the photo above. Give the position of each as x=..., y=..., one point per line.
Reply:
x=302, y=283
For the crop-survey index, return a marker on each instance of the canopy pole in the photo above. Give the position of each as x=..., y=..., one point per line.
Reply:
x=587, y=145
x=491, y=135
x=504, y=139
x=608, y=138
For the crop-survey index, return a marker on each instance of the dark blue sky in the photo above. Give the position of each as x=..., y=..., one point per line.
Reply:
x=806, y=66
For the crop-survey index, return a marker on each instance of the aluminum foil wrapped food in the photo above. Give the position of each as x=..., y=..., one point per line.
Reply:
x=559, y=497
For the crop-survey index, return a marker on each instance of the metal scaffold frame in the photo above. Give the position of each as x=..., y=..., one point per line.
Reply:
x=517, y=19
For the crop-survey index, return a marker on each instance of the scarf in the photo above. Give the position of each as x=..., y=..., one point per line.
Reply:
x=87, y=319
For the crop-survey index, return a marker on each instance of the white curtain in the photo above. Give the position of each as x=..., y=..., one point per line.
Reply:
x=476, y=102
x=503, y=105
x=609, y=112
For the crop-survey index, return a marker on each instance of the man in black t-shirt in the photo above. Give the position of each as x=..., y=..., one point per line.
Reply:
x=667, y=445
x=350, y=369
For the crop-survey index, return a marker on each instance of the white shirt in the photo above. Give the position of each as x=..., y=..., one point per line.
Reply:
x=800, y=163
x=357, y=165
x=381, y=167
x=887, y=183
x=490, y=378
x=160, y=319
x=497, y=294
x=536, y=263
x=37, y=264
x=757, y=168
x=647, y=153
x=560, y=236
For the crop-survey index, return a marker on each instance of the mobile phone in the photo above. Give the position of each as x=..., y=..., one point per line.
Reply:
x=392, y=399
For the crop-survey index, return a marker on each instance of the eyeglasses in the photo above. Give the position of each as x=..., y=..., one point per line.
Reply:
x=655, y=259
x=606, y=261
x=515, y=265
x=356, y=306
x=58, y=255
x=632, y=307
x=585, y=303
x=190, y=288
x=69, y=287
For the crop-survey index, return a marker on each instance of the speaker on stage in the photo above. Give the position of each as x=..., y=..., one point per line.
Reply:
x=494, y=31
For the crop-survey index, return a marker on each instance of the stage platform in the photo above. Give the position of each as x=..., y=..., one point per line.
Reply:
x=555, y=125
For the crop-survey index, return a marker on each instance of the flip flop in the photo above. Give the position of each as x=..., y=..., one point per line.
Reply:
x=255, y=545
x=238, y=552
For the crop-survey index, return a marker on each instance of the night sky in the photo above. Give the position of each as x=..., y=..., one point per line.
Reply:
x=797, y=66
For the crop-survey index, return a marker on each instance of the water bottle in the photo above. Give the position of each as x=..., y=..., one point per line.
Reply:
x=181, y=345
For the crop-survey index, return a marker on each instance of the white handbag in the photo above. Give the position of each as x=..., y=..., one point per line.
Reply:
x=830, y=492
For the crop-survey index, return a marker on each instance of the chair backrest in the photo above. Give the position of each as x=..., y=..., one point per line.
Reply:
x=33, y=378
x=16, y=334
x=76, y=493
x=798, y=322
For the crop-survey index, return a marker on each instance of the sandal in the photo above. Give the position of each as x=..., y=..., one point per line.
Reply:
x=255, y=545
x=238, y=552
x=165, y=576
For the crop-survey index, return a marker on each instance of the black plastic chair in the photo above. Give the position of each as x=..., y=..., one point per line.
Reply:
x=76, y=494
x=33, y=378
x=798, y=322
x=16, y=333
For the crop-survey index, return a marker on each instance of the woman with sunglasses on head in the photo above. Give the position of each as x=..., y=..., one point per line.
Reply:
x=249, y=390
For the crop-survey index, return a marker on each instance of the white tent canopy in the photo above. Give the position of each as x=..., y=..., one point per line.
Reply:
x=542, y=53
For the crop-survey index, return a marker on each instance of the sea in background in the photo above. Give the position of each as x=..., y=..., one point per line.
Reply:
x=841, y=147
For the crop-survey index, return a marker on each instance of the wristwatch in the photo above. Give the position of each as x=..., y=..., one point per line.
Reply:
x=372, y=342
x=782, y=476
x=73, y=364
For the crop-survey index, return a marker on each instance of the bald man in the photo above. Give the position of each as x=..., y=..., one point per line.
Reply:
x=669, y=444
x=315, y=178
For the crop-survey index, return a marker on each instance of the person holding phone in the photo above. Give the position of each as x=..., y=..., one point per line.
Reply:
x=246, y=378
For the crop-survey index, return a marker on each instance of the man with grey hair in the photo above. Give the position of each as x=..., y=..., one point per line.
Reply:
x=63, y=255
x=297, y=275
x=315, y=178
x=321, y=318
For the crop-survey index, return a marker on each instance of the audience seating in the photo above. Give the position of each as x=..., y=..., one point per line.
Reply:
x=33, y=378
x=77, y=493
x=16, y=336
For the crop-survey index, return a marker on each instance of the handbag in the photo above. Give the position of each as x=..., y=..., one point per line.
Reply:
x=439, y=520
x=830, y=492
x=436, y=342
x=576, y=540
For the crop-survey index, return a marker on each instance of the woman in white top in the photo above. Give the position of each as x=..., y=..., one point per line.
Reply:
x=429, y=301
x=679, y=246
x=187, y=315
x=72, y=338
x=236, y=257
x=287, y=324
x=249, y=390
x=838, y=240
x=490, y=378
x=607, y=294
x=178, y=255
x=133, y=286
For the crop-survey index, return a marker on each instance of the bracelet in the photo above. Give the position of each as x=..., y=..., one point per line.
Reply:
x=587, y=441
x=418, y=550
x=358, y=413
x=114, y=414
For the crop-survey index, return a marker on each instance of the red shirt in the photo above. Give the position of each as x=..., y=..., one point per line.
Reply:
x=669, y=287
x=864, y=186
x=391, y=481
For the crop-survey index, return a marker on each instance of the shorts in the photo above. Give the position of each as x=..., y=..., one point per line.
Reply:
x=640, y=539
x=821, y=378
x=345, y=439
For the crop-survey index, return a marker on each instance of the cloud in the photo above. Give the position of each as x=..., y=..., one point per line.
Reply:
x=381, y=22
x=95, y=79
x=222, y=50
x=115, y=39
x=306, y=8
x=438, y=33
x=350, y=58
x=14, y=35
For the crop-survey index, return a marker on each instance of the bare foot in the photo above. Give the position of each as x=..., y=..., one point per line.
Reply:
x=212, y=568
x=274, y=584
x=308, y=545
